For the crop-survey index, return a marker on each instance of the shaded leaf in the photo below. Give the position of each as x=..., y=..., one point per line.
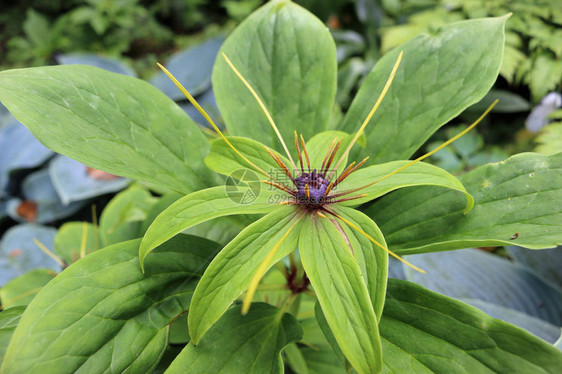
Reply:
x=512, y=197
x=239, y=343
x=125, y=312
x=22, y=289
x=70, y=238
x=546, y=263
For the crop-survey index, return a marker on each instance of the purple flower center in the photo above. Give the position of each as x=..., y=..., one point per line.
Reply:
x=317, y=185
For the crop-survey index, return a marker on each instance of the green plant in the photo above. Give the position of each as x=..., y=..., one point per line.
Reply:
x=286, y=59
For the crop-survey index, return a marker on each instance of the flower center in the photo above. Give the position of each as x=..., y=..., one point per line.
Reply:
x=311, y=189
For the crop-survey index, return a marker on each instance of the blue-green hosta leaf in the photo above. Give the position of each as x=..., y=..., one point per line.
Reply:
x=122, y=218
x=547, y=263
x=424, y=332
x=9, y=319
x=192, y=67
x=239, y=343
x=103, y=62
x=336, y=278
x=474, y=274
x=289, y=58
x=110, y=122
x=202, y=206
x=21, y=290
x=40, y=203
x=73, y=181
x=433, y=85
x=372, y=260
x=538, y=327
x=514, y=205
x=20, y=150
x=231, y=272
x=419, y=174
x=125, y=313
x=72, y=236
x=19, y=254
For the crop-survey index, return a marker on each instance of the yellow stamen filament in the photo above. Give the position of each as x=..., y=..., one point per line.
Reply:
x=263, y=107
x=307, y=191
x=48, y=252
x=263, y=268
x=373, y=110
x=84, y=238
x=208, y=118
x=351, y=224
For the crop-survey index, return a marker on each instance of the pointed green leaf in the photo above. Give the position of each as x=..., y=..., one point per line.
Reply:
x=68, y=242
x=109, y=121
x=318, y=146
x=434, y=83
x=103, y=313
x=336, y=277
x=317, y=351
x=9, y=319
x=231, y=272
x=288, y=56
x=424, y=332
x=419, y=174
x=239, y=343
x=199, y=207
x=224, y=160
x=372, y=259
x=21, y=290
x=515, y=204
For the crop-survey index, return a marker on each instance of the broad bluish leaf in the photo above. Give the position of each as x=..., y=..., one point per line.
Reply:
x=336, y=278
x=433, y=85
x=419, y=174
x=474, y=274
x=19, y=254
x=125, y=312
x=231, y=272
x=288, y=56
x=514, y=205
x=73, y=181
x=546, y=263
x=199, y=207
x=239, y=343
x=20, y=150
x=70, y=238
x=103, y=62
x=110, y=122
x=9, y=319
x=424, y=332
x=192, y=67
x=22, y=289
x=123, y=216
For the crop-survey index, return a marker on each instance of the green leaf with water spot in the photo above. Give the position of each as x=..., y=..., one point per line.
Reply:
x=336, y=278
x=109, y=121
x=239, y=343
x=424, y=332
x=125, y=313
x=273, y=50
x=515, y=204
x=434, y=83
x=231, y=272
x=419, y=174
x=196, y=208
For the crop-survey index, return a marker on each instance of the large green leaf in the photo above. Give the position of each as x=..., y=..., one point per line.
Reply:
x=199, y=207
x=289, y=58
x=336, y=277
x=239, y=343
x=9, y=319
x=110, y=122
x=440, y=75
x=424, y=332
x=372, y=260
x=231, y=272
x=102, y=314
x=419, y=174
x=516, y=203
